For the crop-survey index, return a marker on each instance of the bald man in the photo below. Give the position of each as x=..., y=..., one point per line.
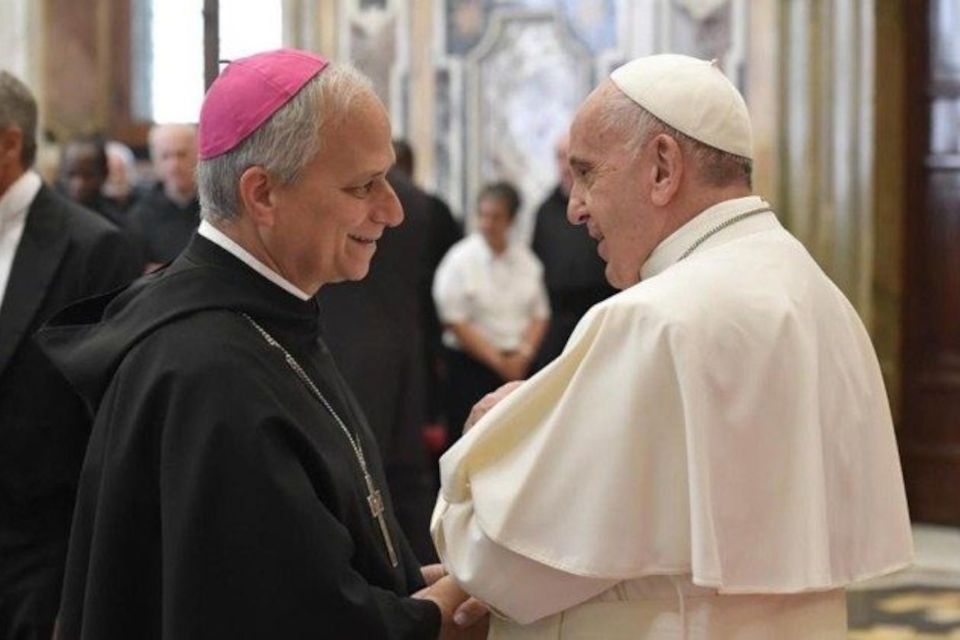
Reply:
x=166, y=217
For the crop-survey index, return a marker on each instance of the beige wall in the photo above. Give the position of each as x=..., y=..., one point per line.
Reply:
x=818, y=89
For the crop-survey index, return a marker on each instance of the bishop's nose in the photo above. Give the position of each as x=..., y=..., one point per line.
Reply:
x=390, y=212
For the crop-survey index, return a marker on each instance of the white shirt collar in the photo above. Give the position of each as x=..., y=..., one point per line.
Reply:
x=220, y=239
x=487, y=252
x=669, y=251
x=15, y=202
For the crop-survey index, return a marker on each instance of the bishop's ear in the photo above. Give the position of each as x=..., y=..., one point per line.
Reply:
x=257, y=195
x=668, y=169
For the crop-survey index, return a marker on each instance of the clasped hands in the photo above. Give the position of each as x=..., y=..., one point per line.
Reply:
x=462, y=616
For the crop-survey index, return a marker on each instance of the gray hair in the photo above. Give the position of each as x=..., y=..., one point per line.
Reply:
x=284, y=144
x=18, y=108
x=719, y=168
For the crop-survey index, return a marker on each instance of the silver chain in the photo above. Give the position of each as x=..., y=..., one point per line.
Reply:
x=720, y=227
x=293, y=364
x=374, y=497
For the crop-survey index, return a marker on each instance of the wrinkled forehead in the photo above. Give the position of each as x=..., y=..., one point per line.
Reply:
x=359, y=140
x=589, y=133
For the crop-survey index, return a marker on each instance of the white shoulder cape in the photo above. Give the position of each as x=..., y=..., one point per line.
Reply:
x=725, y=418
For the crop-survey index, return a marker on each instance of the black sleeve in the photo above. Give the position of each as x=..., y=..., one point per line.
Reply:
x=537, y=243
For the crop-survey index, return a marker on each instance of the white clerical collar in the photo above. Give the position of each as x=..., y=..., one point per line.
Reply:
x=18, y=197
x=220, y=239
x=672, y=249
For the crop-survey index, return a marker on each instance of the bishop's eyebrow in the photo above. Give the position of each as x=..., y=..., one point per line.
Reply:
x=578, y=163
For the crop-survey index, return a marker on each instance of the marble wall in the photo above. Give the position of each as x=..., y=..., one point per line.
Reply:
x=19, y=21
x=498, y=81
x=482, y=88
x=505, y=76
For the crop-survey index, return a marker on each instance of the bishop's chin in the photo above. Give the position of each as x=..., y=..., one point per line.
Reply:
x=358, y=273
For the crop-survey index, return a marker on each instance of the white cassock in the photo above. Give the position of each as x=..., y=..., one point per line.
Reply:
x=712, y=457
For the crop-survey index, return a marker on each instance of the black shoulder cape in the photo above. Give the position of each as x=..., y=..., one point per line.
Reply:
x=218, y=498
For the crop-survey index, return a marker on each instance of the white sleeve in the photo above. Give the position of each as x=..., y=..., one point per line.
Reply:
x=541, y=304
x=512, y=585
x=450, y=291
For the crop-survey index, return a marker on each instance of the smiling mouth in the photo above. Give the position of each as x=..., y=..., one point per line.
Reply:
x=364, y=240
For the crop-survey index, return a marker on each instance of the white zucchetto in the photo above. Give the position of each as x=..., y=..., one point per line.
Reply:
x=692, y=96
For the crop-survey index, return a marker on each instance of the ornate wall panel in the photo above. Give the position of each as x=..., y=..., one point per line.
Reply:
x=19, y=21
x=374, y=36
x=510, y=74
x=525, y=80
x=502, y=78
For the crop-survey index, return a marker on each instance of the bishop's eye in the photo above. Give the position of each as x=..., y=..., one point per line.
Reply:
x=363, y=190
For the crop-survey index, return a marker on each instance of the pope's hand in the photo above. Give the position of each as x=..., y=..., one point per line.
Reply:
x=470, y=613
x=432, y=572
x=488, y=402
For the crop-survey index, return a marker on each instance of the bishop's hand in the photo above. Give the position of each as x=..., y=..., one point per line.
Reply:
x=448, y=596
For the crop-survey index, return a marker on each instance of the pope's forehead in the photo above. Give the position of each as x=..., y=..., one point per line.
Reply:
x=588, y=131
x=593, y=106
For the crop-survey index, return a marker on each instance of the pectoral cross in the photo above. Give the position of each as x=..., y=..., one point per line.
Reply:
x=375, y=500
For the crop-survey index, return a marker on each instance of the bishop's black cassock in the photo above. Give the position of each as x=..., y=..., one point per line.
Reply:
x=218, y=498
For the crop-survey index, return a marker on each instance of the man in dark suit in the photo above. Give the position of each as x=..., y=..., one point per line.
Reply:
x=374, y=328
x=443, y=231
x=52, y=253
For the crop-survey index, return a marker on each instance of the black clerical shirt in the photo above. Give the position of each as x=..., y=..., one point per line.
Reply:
x=218, y=498
x=162, y=226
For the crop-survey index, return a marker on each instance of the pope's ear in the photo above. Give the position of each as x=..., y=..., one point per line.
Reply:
x=256, y=195
x=669, y=168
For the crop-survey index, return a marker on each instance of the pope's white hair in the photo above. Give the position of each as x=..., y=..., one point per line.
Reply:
x=638, y=126
x=284, y=144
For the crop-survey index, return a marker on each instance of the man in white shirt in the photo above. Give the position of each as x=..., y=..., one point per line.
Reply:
x=52, y=253
x=712, y=456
